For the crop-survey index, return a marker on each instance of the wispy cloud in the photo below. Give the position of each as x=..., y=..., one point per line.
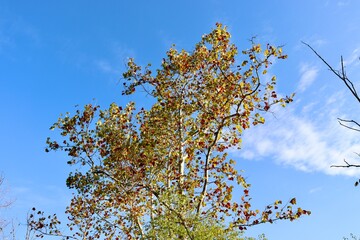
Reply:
x=115, y=63
x=306, y=136
x=315, y=190
x=353, y=59
x=308, y=75
x=106, y=67
x=14, y=27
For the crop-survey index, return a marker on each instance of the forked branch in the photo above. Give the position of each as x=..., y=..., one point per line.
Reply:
x=350, y=124
x=343, y=121
x=347, y=165
x=340, y=74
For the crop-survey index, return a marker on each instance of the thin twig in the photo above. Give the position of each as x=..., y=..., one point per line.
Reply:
x=349, y=121
x=348, y=165
x=349, y=84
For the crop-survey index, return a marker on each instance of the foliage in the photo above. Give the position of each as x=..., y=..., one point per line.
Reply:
x=164, y=172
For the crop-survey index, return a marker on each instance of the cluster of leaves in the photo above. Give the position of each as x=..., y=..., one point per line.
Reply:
x=40, y=225
x=164, y=172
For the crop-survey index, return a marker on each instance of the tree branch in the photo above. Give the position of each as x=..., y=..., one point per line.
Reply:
x=349, y=84
x=347, y=165
x=349, y=121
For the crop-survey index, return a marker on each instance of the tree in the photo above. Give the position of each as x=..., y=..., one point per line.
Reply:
x=348, y=123
x=164, y=172
x=4, y=203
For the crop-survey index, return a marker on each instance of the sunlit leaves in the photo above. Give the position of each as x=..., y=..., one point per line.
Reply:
x=164, y=171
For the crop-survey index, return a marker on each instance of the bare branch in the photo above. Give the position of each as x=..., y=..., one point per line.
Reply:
x=347, y=165
x=342, y=75
x=347, y=126
x=350, y=85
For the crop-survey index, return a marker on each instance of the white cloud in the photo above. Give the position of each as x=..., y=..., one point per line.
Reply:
x=354, y=58
x=309, y=107
x=308, y=75
x=304, y=140
x=106, y=67
x=315, y=190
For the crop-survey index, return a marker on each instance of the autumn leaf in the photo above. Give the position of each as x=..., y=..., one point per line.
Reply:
x=293, y=201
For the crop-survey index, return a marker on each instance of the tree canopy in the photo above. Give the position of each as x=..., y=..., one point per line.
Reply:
x=165, y=172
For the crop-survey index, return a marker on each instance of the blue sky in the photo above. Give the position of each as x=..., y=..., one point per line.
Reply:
x=56, y=54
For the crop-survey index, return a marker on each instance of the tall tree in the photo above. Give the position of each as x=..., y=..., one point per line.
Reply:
x=164, y=172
